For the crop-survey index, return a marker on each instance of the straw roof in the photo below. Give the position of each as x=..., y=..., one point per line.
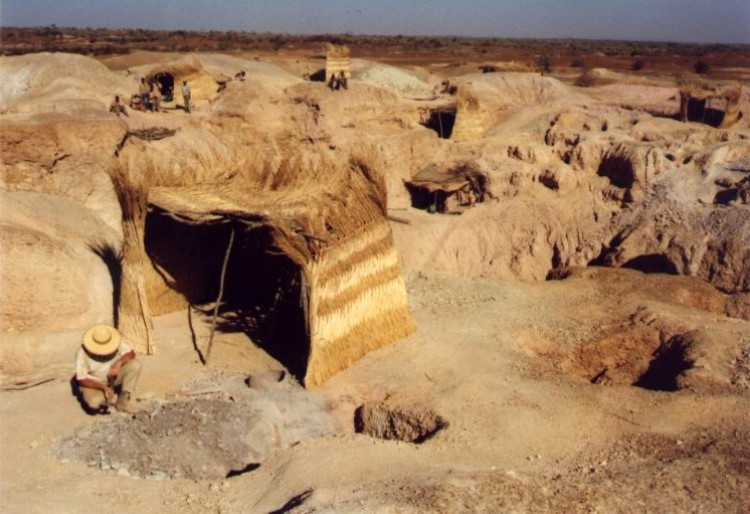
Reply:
x=337, y=50
x=449, y=180
x=221, y=202
x=308, y=210
x=707, y=91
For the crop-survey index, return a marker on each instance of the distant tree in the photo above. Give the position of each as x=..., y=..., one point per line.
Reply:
x=701, y=68
x=277, y=42
x=587, y=79
x=544, y=64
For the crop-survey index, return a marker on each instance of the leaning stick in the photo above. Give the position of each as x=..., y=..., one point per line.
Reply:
x=398, y=219
x=29, y=382
x=221, y=294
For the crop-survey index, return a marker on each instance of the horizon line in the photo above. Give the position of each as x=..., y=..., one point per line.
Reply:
x=356, y=34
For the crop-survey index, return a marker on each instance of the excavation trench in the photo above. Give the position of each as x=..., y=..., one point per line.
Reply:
x=440, y=120
x=636, y=355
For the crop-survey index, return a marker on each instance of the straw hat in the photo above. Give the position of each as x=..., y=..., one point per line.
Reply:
x=102, y=340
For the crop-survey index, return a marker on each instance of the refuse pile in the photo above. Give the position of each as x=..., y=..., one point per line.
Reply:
x=208, y=437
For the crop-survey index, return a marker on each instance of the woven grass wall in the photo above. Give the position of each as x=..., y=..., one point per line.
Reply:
x=358, y=301
x=337, y=60
x=471, y=121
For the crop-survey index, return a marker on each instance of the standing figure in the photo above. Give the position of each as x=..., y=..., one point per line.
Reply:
x=186, y=95
x=342, y=82
x=144, y=91
x=155, y=96
x=106, y=364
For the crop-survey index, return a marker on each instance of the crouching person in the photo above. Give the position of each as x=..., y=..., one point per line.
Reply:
x=107, y=365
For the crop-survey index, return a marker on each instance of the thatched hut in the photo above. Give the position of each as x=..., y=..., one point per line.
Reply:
x=449, y=191
x=312, y=275
x=337, y=61
x=472, y=120
x=698, y=102
x=170, y=76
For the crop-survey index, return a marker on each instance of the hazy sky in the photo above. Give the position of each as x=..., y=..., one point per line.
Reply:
x=662, y=20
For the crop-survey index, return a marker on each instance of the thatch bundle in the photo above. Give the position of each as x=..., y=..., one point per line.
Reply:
x=330, y=221
x=337, y=61
x=134, y=314
x=471, y=121
x=702, y=94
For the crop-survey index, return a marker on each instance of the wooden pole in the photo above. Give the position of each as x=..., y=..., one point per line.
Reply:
x=221, y=294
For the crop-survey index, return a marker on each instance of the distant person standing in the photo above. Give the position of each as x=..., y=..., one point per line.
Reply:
x=144, y=91
x=342, y=82
x=155, y=96
x=186, y=95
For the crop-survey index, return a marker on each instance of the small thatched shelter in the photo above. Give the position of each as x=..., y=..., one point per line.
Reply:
x=170, y=76
x=337, y=61
x=312, y=275
x=698, y=103
x=472, y=121
x=449, y=191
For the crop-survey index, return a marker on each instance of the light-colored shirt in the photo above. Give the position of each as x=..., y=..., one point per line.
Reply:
x=86, y=367
x=185, y=91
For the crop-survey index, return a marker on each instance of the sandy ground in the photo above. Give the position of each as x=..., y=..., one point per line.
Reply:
x=523, y=435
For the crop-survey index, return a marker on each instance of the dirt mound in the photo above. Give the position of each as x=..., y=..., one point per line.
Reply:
x=672, y=231
x=513, y=90
x=58, y=82
x=53, y=279
x=201, y=438
x=412, y=424
x=658, y=100
x=403, y=82
x=262, y=72
x=596, y=77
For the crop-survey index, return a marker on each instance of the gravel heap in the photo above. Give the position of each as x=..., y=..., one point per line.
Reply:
x=206, y=438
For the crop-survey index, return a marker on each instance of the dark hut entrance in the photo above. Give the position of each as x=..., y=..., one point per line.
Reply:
x=441, y=120
x=166, y=84
x=262, y=288
x=318, y=76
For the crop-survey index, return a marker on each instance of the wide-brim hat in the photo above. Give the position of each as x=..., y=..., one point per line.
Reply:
x=102, y=340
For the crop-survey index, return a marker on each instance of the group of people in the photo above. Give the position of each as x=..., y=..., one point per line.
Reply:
x=338, y=81
x=149, y=98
